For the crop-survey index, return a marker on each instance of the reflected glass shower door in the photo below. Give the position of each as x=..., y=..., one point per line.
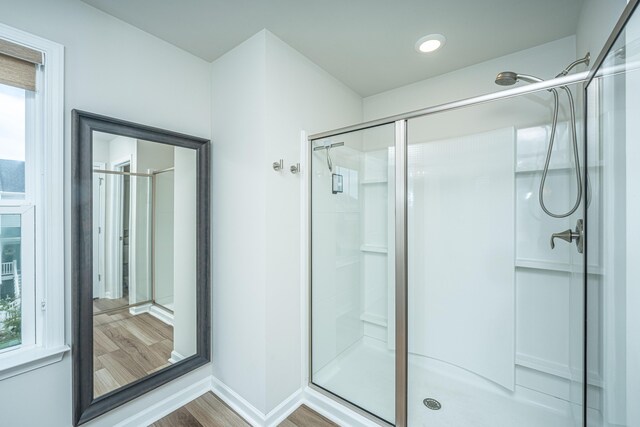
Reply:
x=495, y=333
x=613, y=300
x=352, y=268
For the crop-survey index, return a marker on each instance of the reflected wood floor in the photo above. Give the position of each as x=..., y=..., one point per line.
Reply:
x=209, y=411
x=103, y=304
x=127, y=348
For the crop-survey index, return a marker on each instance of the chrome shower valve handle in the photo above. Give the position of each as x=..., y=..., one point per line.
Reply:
x=570, y=235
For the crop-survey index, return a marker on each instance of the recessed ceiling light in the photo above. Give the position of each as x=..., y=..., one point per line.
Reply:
x=430, y=43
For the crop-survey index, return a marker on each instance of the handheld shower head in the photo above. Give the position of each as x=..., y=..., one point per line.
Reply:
x=508, y=78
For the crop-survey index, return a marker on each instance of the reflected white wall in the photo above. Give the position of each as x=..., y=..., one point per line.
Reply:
x=163, y=239
x=184, y=259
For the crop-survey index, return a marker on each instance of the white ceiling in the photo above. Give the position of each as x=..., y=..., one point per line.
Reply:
x=367, y=44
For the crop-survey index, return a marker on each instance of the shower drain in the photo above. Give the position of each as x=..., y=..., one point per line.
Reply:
x=432, y=404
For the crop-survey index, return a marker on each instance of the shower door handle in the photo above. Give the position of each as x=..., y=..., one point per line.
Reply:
x=571, y=235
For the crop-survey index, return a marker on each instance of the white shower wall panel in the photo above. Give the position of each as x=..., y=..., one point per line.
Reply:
x=377, y=221
x=534, y=227
x=461, y=252
x=549, y=308
x=542, y=299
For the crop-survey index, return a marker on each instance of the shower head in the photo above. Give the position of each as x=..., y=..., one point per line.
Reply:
x=508, y=78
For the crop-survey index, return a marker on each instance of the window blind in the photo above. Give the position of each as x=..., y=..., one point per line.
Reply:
x=18, y=65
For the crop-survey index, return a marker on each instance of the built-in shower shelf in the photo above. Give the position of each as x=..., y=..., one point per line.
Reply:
x=374, y=248
x=537, y=169
x=554, y=266
x=370, y=181
x=374, y=319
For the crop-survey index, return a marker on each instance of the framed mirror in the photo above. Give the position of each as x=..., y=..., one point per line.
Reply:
x=140, y=260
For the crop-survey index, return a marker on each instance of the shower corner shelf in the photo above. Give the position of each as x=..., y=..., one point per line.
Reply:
x=554, y=266
x=374, y=181
x=378, y=249
x=557, y=168
x=374, y=319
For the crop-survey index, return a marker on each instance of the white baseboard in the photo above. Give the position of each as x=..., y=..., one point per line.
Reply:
x=139, y=309
x=284, y=409
x=314, y=400
x=166, y=406
x=161, y=314
x=250, y=413
x=175, y=357
x=236, y=402
x=155, y=310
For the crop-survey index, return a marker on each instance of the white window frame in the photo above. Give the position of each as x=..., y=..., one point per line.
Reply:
x=44, y=202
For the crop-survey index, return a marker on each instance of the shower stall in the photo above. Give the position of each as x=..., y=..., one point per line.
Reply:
x=469, y=261
x=133, y=246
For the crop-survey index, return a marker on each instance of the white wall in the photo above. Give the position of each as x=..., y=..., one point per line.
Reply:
x=163, y=238
x=300, y=96
x=114, y=69
x=264, y=94
x=238, y=219
x=101, y=151
x=154, y=156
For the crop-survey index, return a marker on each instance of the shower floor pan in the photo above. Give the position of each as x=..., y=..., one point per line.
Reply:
x=364, y=375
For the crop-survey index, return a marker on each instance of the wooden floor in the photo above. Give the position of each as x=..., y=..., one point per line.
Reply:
x=304, y=416
x=127, y=348
x=103, y=304
x=209, y=411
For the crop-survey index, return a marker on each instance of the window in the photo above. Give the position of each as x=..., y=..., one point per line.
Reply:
x=14, y=306
x=31, y=210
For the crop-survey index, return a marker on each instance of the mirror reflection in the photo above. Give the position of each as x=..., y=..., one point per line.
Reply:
x=144, y=271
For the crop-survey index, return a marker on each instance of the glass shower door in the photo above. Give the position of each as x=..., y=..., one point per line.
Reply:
x=613, y=301
x=494, y=312
x=352, y=269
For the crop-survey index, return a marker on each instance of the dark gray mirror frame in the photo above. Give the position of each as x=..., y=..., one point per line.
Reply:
x=85, y=407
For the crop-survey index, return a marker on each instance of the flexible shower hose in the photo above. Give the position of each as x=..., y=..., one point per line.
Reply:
x=576, y=157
